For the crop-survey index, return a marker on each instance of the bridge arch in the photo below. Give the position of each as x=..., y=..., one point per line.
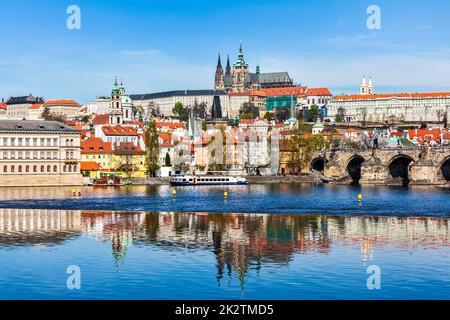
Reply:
x=354, y=167
x=318, y=164
x=399, y=167
x=444, y=168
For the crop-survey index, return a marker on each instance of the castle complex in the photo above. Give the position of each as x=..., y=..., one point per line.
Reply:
x=240, y=79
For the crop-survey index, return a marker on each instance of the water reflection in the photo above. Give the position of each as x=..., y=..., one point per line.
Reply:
x=237, y=242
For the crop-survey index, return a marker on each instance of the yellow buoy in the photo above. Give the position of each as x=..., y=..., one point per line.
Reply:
x=225, y=195
x=174, y=192
x=360, y=197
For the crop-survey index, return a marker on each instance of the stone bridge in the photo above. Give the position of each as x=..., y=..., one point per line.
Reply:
x=415, y=166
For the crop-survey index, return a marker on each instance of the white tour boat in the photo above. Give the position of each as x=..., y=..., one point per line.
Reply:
x=206, y=180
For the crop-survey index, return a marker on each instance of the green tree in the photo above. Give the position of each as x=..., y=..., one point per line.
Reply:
x=152, y=149
x=248, y=111
x=314, y=113
x=168, y=161
x=281, y=115
x=180, y=112
x=200, y=110
x=268, y=116
x=48, y=116
x=340, y=116
x=304, y=146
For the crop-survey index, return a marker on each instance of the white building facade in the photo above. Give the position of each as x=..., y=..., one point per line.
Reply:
x=39, y=153
x=165, y=101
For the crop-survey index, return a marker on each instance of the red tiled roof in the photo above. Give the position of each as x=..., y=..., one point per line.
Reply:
x=90, y=166
x=299, y=91
x=396, y=134
x=62, y=102
x=127, y=148
x=166, y=140
x=395, y=95
x=2, y=105
x=101, y=119
x=247, y=121
x=421, y=133
x=95, y=145
x=171, y=125
x=318, y=92
x=119, y=131
x=36, y=106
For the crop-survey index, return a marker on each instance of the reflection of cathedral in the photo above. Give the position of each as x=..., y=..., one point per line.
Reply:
x=240, y=79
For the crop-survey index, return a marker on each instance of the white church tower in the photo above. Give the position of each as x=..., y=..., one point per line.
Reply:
x=121, y=108
x=115, y=108
x=366, y=88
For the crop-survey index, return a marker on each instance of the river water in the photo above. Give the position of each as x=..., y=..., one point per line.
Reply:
x=263, y=242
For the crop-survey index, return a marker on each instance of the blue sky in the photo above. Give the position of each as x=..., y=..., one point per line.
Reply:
x=166, y=45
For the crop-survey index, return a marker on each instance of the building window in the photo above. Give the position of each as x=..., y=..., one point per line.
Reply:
x=34, y=168
x=13, y=168
x=49, y=168
x=42, y=169
x=64, y=168
x=20, y=169
x=27, y=169
x=5, y=169
x=55, y=168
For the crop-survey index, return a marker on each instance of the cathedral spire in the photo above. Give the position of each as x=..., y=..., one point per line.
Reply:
x=240, y=61
x=228, y=70
x=219, y=78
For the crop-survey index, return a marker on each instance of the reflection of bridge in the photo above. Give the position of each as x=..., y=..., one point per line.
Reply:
x=427, y=166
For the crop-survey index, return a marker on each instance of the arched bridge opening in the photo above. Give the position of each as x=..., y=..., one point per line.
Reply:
x=399, y=168
x=354, y=168
x=445, y=169
x=318, y=164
